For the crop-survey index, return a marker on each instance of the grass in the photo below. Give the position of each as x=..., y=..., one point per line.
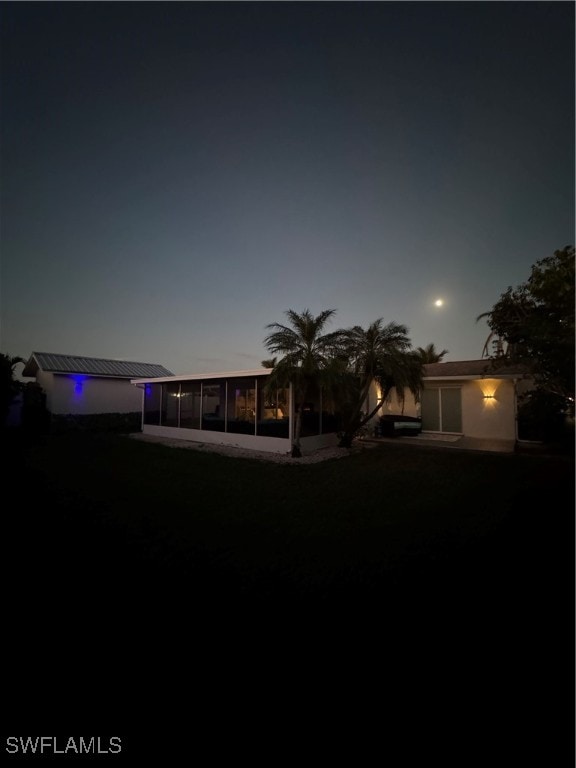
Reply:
x=234, y=528
x=450, y=572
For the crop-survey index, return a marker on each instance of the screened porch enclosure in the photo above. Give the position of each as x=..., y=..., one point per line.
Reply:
x=238, y=405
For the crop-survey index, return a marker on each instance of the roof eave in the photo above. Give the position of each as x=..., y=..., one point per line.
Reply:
x=203, y=376
x=31, y=368
x=476, y=376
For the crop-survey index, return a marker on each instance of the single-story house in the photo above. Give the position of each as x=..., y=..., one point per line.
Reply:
x=474, y=399
x=76, y=385
x=464, y=399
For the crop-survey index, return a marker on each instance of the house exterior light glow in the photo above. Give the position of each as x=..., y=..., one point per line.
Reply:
x=469, y=399
x=78, y=383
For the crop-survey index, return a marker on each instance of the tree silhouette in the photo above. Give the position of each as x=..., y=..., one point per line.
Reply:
x=305, y=354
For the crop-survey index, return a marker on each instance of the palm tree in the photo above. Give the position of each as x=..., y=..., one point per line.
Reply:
x=268, y=363
x=380, y=353
x=306, y=354
x=429, y=354
x=498, y=348
x=406, y=374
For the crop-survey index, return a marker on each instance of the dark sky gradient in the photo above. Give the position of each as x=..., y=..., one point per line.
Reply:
x=176, y=175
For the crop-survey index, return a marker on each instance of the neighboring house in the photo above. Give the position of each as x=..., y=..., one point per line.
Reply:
x=465, y=399
x=89, y=385
x=470, y=398
x=233, y=408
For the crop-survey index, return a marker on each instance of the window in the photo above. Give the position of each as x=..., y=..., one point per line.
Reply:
x=190, y=404
x=213, y=406
x=152, y=396
x=441, y=409
x=242, y=405
x=170, y=404
x=241, y=410
x=273, y=411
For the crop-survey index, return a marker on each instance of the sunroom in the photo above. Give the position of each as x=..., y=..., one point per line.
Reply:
x=234, y=408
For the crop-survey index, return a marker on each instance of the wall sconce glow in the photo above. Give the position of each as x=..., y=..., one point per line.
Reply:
x=488, y=388
x=78, y=384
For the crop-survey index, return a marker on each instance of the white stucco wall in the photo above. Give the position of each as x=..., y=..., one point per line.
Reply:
x=489, y=417
x=393, y=405
x=255, y=442
x=46, y=381
x=492, y=417
x=371, y=401
x=64, y=394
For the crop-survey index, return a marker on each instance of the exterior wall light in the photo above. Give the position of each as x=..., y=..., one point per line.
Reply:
x=488, y=387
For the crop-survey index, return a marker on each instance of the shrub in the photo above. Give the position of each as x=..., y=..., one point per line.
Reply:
x=545, y=417
x=119, y=423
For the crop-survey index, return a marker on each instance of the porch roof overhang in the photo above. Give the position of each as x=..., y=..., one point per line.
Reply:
x=204, y=376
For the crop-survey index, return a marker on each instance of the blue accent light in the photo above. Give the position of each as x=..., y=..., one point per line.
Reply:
x=148, y=389
x=78, y=383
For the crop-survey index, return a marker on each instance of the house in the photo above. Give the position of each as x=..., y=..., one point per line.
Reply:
x=234, y=408
x=469, y=399
x=89, y=385
x=472, y=399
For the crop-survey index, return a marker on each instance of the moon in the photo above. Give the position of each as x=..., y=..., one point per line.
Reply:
x=439, y=303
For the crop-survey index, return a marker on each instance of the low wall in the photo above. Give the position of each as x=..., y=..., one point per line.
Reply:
x=254, y=442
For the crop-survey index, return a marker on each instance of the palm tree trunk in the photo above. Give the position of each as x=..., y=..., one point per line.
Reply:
x=372, y=413
x=355, y=422
x=384, y=394
x=296, y=450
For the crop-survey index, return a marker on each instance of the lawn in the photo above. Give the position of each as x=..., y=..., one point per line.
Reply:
x=122, y=513
x=409, y=573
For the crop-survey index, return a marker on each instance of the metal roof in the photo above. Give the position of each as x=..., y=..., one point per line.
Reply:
x=92, y=366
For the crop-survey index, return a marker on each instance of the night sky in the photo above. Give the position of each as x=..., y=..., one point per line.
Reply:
x=174, y=176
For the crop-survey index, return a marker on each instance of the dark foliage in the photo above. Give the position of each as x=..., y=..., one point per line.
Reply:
x=119, y=423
